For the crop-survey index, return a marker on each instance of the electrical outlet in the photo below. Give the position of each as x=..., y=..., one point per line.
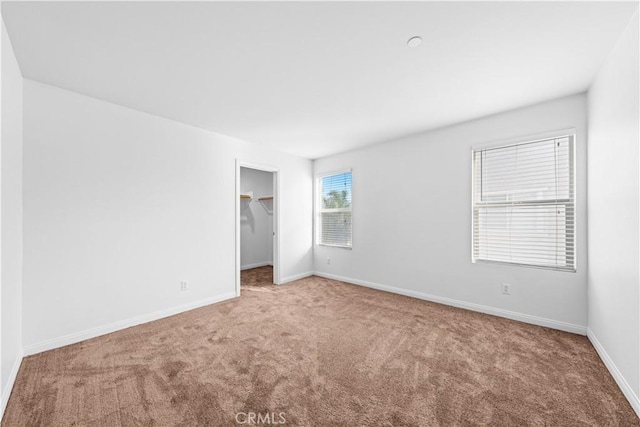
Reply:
x=328, y=260
x=184, y=285
x=506, y=289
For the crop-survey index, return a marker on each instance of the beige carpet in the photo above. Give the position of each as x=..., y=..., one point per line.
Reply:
x=260, y=277
x=322, y=353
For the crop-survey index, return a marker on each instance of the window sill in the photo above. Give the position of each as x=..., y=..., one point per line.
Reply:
x=334, y=246
x=515, y=264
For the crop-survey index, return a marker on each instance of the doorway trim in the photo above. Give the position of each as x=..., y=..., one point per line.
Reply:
x=276, y=218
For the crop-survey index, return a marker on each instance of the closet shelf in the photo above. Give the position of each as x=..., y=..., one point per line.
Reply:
x=266, y=198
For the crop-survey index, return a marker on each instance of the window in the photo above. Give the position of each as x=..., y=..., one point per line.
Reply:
x=524, y=204
x=334, y=210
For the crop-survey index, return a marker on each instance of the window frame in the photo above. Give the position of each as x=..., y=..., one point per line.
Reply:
x=318, y=208
x=565, y=133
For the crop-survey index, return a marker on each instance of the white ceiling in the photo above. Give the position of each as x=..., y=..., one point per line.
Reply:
x=313, y=78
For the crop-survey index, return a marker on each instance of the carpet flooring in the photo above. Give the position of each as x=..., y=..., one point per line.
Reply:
x=260, y=277
x=318, y=352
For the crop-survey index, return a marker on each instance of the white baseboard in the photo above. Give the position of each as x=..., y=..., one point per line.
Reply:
x=256, y=265
x=6, y=393
x=296, y=277
x=527, y=318
x=615, y=373
x=123, y=324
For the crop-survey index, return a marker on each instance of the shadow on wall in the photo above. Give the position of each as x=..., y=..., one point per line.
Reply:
x=246, y=214
x=267, y=204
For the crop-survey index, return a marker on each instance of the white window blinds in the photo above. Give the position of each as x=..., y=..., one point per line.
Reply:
x=334, y=213
x=524, y=204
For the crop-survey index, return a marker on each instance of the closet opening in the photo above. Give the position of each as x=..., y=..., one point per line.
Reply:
x=257, y=260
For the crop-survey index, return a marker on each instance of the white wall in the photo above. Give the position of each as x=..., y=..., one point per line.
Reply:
x=256, y=223
x=119, y=206
x=614, y=186
x=11, y=219
x=412, y=220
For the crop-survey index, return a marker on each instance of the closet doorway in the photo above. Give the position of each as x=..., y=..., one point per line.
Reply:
x=257, y=248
